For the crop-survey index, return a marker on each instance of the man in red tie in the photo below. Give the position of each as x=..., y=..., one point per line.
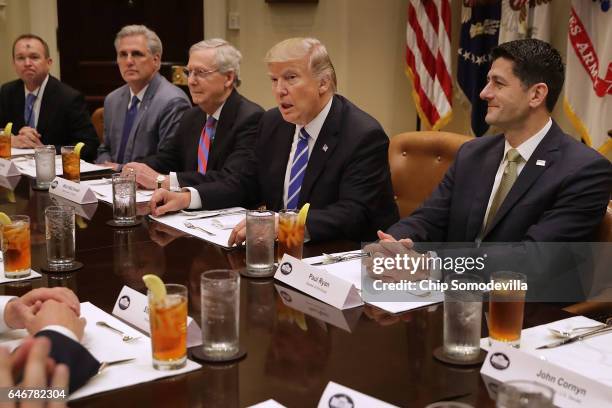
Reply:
x=214, y=140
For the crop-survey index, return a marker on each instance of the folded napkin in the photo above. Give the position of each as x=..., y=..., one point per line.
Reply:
x=227, y=221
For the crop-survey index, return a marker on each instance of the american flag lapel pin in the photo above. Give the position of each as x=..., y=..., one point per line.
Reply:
x=325, y=148
x=541, y=163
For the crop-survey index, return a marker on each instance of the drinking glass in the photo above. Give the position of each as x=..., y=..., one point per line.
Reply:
x=220, y=295
x=124, y=198
x=462, y=317
x=290, y=234
x=45, y=165
x=168, y=321
x=16, y=247
x=59, y=228
x=524, y=394
x=259, y=242
x=71, y=164
x=506, y=306
x=5, y=145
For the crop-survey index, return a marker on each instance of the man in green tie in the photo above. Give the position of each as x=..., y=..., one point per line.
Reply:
x=531, y=183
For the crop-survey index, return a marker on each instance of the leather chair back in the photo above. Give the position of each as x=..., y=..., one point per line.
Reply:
x=98, y=121
x=418, y=161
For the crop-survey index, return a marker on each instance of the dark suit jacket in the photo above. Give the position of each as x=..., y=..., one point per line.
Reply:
x=63, y=118
x=347, y=180
x=231, y=150
x=64, y=350
x=562, y=201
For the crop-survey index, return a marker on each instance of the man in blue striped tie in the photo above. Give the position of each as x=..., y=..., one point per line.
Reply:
x=317, y=147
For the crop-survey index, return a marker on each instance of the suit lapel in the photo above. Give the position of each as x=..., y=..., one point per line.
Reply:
x=547, y=151
x=322, y=150
x=278, y=168
x=193, y=141
x=19, y=97
x=48, y=106
x=226, y=120
x=482, y=193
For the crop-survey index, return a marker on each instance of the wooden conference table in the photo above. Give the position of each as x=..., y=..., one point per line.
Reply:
x=291, y=356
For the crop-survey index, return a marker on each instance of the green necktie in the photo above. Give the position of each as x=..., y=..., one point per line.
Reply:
x=508, y=178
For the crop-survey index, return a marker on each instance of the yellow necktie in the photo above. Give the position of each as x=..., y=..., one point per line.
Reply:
x=508, y=178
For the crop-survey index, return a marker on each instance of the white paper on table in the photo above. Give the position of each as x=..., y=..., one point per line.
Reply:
x=591, y=357
x=227, y=221
x=105, y=345
x=178, y=220
x=267, y=404
x=351, y=272
x=16, y=151
x=103, y=189
x=27, y=166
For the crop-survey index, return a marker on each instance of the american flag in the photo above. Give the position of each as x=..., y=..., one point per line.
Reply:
x=428, y=58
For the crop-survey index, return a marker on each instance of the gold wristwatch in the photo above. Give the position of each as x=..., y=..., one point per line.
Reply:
x=160, y=180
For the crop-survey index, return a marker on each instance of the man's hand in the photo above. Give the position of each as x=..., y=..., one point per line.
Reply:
x=146, y=177
x=238, y=235
x=164, y=201
x=39, y=371
x=18, y=311
x=110, y=165
x=26, y=138
x=55, y=313
x=389, y=247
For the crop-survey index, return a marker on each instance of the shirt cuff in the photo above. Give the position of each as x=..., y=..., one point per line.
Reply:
x=62, y=330
x=3, y=302
x=196, y=200
x=174, y=183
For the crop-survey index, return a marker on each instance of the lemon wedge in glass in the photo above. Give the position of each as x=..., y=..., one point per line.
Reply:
x=8, y=128
x=303, y=214
x=78, y=147
x=156, y=286
x=4, y=219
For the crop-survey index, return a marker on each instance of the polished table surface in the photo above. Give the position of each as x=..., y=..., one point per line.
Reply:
x=291, y=356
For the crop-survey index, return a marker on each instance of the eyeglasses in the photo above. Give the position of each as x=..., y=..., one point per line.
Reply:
x=198, y=73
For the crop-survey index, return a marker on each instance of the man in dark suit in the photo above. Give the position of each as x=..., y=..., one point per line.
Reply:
x=52, y=313
x=42, y=109
x=317, y=147
x=532, y=184
x=213, y=75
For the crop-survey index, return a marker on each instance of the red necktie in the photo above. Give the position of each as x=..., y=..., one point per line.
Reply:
x=206, y=138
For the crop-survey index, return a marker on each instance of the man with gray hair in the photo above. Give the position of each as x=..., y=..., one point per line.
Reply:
x=214, y=141
x=142, y=115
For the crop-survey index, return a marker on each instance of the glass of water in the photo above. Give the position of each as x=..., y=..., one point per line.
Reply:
x=462, y=317
x=124, y=198
x=220, y=294
x=59, y=232
x=45, y=166
x=259, y=242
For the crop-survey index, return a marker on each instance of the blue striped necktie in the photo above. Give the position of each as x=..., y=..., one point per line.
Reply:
x=298, y=169
x=28, y=112
x=206, y=139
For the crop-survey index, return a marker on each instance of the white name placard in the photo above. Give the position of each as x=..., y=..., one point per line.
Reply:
x=78, y=193
x=336, y=395
x=133, y=307
x=8, y=168
x=318, y=283
x=571, y=389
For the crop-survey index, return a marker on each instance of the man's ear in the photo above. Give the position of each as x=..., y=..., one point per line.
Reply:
x=229, y=79
x=537, y=94
x=324, y=84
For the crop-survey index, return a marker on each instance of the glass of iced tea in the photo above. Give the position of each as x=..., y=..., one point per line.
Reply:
x=506, y=307
x=168, y=320
x=290, y=234
x=16, y=247
x=71, y=164
x=5, y=145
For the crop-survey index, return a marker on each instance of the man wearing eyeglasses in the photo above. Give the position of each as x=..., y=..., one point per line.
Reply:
x=215, y=140
x=43, y=110
x=143, y=114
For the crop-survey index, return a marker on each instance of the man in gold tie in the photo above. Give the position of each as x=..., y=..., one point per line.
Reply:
x=531, y=184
